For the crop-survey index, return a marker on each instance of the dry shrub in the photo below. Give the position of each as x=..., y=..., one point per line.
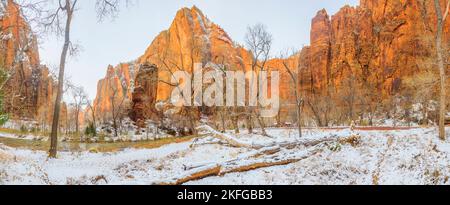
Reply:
x=160, y=166
x=97, y=179
x=4, y=156
x=436, y=177
x=84, y=180
x=375, y=179
x=94, y=150
x=354, y=140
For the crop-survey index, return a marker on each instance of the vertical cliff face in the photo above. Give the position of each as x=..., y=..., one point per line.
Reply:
x=320, y=51
x=118, y=83
x=374, y=45
x=29, y=89
x=379, y=42
x=191, y=38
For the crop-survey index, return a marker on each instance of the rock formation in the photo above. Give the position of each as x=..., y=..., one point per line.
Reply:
x=29, y=89
x=192, y=38
x=119, y=82
x=378, y=41
x=374, y=45
x=144, y=95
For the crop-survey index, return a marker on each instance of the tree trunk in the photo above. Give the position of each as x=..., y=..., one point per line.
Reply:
x=250, y=122
x=62, y=65
x=262, y=125
x=222, y=118
x=94, y=121
x=235, y=119
x=299, y=119
x=440, y=61
x=116, y=133
x=77, y=122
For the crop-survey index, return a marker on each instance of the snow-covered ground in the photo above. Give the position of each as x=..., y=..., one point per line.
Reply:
x=413, y=156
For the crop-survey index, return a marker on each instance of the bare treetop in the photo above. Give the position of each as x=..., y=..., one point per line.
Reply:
x=49, y=16
x=259, y=41
x=109, y=8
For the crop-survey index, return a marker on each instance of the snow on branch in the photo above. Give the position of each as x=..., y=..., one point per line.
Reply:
x=233, y=141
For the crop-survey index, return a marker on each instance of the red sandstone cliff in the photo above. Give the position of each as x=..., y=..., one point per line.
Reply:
x=191, y=38
x=377, y=44
x=378, y=41
x=29, y=90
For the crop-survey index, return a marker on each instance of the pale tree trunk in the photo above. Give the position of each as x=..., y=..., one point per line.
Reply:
x=114, y=116
x=298, y=99
x=77, y=121
x=55, y=123
x=262, y=125
x=299, y=118
x=440, y=61
x=250, y=122
x=236, y=125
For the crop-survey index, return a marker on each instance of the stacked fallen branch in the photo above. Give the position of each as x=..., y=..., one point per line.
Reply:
x=260, y=156
x=232, y=141
x=224, y=138
x=242, y=165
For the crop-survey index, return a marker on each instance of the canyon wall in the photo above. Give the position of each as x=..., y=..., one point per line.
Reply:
x=191, y=38
x=380, y=42
x=374, y=45
x=28, y=92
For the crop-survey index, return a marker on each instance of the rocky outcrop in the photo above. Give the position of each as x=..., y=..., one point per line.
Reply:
x=320, y=50
x=374, y=45
x=118, y=83
x=379, y=42
x=144, y=95
x=29, y=89
x=191, y=38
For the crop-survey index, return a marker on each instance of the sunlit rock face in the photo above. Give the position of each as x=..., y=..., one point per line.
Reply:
x=117, y=84
x=191, y=38
x=377, y=42
x=30, y=87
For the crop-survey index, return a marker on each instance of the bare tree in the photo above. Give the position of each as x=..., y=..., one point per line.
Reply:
x=348, y=95
x=91, y=107
x=79, y=99
x=259, y=42
x=65, y=9
x=118, y=102
x=59, y=21
x=293, y=74
x=440, y=60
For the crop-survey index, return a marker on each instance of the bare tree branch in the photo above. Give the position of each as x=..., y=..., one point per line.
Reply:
x=446, y=11
x=109, y=8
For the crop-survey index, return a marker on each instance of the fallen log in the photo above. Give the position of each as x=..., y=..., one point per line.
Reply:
x=212, y=171
x=246, y=156
x=237, y=167
x=270, y=151
x=259, y=166
x=232, y=141
x=273, y=155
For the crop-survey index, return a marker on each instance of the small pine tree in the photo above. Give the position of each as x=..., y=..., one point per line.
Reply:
x=90, y=130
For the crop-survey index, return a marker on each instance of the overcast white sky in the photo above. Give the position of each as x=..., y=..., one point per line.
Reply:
x=127, y=37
